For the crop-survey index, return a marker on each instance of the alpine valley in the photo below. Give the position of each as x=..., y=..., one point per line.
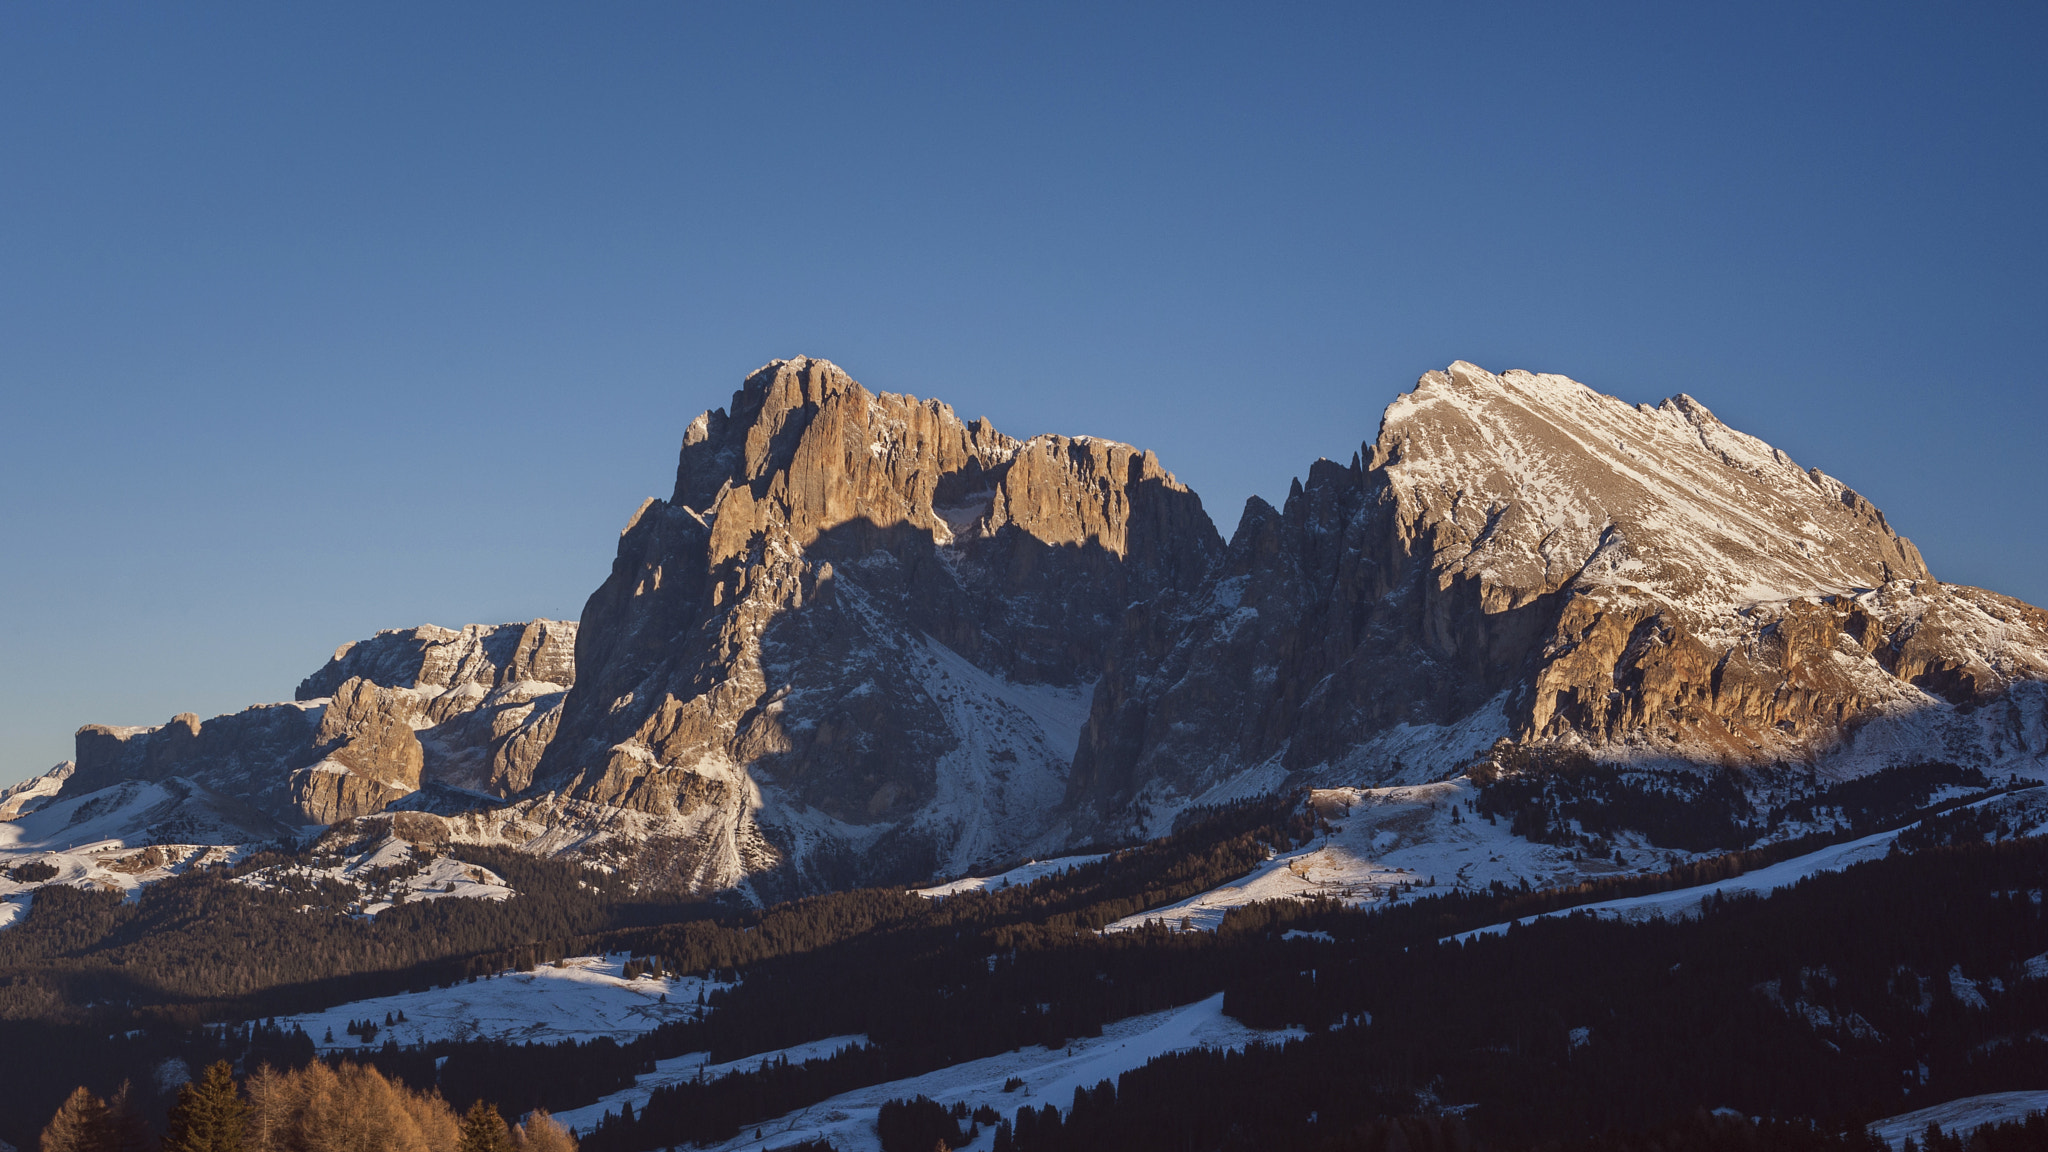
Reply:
x=907, y=783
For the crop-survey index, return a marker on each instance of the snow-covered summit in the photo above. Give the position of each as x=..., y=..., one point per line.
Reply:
x=1534, y=482
x=1520, y=557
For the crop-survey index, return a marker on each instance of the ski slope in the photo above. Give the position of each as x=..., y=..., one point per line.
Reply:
x=1684, y=902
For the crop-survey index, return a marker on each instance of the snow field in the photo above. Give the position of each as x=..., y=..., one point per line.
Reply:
x=692, y=1066
x=107, y=866
x=1685, y=902
x=1960, y=1116
x=438, y=878
x=1387, y=841
x=108, y=841
x=586, y=998
x=1050, y=1077
x=1021, y=874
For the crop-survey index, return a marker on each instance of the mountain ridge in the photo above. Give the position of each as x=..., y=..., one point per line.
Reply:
x=1638, y=580
x=865, y=640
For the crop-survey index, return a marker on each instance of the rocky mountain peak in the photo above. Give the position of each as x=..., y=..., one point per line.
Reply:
x=1518, y=556
x=793, y=635
x=864, y=640
x=1530, y=483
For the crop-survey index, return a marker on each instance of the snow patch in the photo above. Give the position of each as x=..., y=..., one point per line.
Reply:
x=587, y=997
x=1021, y=874
x=1960, y=1116
x=371, y=873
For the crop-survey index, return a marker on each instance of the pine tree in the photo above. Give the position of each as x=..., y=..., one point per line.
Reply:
x=208, y=1115
x=80, y=1125
x=483, y=1130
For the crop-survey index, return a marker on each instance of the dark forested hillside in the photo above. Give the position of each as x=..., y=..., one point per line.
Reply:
x=1854, y=995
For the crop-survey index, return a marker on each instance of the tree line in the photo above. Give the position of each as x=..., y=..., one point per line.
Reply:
x=318, y=1108
x=1724, y=1008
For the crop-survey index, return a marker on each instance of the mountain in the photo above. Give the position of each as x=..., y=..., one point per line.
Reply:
x=1519, y=557
x=864, y=640
x=859, y=639
x=468, y=710
x=35, y=791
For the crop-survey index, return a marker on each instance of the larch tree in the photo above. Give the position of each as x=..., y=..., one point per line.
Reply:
x=541, y=1133
x=274, y=1097
x=80, y=1125
x=355, y=1109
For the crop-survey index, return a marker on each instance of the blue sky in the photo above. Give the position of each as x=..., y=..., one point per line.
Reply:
x=316, y=320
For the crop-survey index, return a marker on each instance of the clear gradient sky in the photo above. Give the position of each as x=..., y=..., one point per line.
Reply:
x=317, y=319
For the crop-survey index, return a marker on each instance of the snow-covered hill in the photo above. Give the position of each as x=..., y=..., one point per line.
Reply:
x=1960, y=1117
x=847, y=1121
x=583, y=998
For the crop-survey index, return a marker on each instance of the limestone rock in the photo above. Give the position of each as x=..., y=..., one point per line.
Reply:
x=469, y=709
x=862, y=631
x=484, y=655
x=34, y=792
x=864, y=640
x=1518, y=556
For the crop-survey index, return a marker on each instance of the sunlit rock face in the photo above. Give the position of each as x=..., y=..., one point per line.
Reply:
x=470, y=709
x=859, y=639
x=1521, y=557
x=864, y=640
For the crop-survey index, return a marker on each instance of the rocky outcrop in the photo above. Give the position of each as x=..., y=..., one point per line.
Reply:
x=369, y=754
x=1520, y=557
x=858, y=638
x=468, y=709
x=484, y=699
x=34, y=792
x=250, y=754
x=482, y=656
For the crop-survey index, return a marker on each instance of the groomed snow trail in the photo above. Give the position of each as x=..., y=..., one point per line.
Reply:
x=1049, y=1076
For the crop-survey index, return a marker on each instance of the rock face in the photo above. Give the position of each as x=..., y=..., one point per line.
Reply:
x=482, y=703
x=1520, y=557
x=858, y=640
x=864, y=640
x=468, y=709
x=34, y=792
